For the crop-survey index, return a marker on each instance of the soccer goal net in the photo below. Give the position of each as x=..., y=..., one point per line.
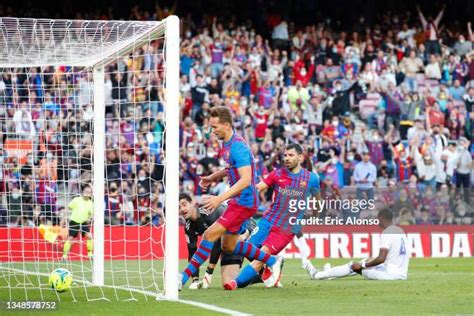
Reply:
x=89, y=116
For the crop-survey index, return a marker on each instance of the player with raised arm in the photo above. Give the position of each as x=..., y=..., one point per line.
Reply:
x=196, y=225
x=242, y=196
x=390, y=264
x=278, y=227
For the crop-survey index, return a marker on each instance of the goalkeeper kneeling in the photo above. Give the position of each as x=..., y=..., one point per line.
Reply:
x=390, y=264
x=197, y=221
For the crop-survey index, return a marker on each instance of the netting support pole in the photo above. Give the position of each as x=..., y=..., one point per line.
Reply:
x=98, y=178
x=172, y=158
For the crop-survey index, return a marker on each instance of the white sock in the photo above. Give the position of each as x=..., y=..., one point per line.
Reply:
x=335, y=272
x=303, y=248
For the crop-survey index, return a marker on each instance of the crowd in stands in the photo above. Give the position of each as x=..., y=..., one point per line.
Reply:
x=395, y=96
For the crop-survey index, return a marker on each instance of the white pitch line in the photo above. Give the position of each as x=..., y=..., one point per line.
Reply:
x=149, y=293
x=214, y=308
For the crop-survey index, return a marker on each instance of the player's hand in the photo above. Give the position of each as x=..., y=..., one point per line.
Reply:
x=356, y=267
x=205, y=182
x=211, y=202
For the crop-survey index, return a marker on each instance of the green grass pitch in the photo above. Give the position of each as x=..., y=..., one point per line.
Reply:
x=435, y=286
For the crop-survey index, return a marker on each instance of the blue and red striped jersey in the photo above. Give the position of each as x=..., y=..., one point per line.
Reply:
x=287, y=187
x=236, y=154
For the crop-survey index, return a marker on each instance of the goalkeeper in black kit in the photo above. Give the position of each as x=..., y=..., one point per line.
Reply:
x=196, y=224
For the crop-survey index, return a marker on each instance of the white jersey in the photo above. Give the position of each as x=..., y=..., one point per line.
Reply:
x=394, y=239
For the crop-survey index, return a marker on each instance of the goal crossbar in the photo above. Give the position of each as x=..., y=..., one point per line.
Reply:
x=40, y=55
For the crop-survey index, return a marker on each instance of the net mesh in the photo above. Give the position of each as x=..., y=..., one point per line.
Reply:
x=47, y=144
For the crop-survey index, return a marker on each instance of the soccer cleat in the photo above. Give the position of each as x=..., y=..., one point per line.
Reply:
x=231, y=285
x=278, y=285
x=64, y=259
x=311, y=270
x=195, y=285
x=327, y=266
x=272, y=274
x=206, y=281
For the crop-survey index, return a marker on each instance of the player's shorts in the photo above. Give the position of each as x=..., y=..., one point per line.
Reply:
x=235, y=216
x=260, y=233
x=381, y=272
x=75, y=228
x=277, y=240
x=265, y=234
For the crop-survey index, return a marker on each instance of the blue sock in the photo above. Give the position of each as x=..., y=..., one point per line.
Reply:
x=251, y=252
x=200, y=256
x=246, y=275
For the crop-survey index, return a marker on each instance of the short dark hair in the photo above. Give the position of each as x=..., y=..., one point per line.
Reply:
x=296, y=147
x=386, y=213
x=223, y=113
x=185, y=196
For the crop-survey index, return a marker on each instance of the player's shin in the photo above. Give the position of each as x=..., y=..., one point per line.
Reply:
x=246, y=276
x=67, y=247
x=200, y=256
x=335, y=272
x=90, y=245
x=251, y=252
x=303, y=248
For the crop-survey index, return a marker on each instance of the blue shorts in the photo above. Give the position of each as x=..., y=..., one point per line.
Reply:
x=260, y=233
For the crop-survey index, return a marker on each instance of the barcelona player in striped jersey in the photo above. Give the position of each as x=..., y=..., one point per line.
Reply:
x=275, y=230
x=242, y=204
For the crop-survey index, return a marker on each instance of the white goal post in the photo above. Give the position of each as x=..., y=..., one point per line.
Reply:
x=93, y=45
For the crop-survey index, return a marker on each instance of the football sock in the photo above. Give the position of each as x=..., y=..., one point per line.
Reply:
x=200, y=256
x=67, y=247
x=90, y=244
x=335, y=272
x=303, y=248
x=245, y=276
x=209, y=270
x=251, y=252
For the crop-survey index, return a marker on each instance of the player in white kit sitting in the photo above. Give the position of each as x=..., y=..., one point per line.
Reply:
x=390, y=264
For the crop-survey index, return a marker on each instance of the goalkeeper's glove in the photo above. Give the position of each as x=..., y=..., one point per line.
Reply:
x=195, y=285
x=206, y=281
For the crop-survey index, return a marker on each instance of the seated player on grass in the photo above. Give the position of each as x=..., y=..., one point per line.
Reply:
x=390, y=264
x=276, y=230
x=196, y=225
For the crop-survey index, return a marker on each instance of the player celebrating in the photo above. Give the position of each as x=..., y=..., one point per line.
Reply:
x=240, y=172
x=82, y=209
x=196, y=225
x=274, y=231
x=391, y=263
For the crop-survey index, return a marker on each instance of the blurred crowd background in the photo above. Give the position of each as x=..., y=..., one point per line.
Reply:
x=389, y=87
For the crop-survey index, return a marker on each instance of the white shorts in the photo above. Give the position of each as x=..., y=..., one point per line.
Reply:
x=380, y=272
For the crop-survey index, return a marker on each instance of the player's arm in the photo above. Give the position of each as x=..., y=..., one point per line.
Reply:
x=378, y=260
x=244, y=182
x=245, y=173
x=216, y=176
x=262, y=187
x=357, y=267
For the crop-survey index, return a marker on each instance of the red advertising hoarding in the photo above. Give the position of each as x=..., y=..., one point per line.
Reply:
x=135, y=242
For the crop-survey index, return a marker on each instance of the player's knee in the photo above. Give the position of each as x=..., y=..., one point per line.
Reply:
x=227, y=247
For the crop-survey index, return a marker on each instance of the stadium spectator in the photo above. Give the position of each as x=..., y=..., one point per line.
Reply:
x=390, y=89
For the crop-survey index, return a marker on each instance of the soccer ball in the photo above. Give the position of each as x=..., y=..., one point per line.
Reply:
x=60, y=280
